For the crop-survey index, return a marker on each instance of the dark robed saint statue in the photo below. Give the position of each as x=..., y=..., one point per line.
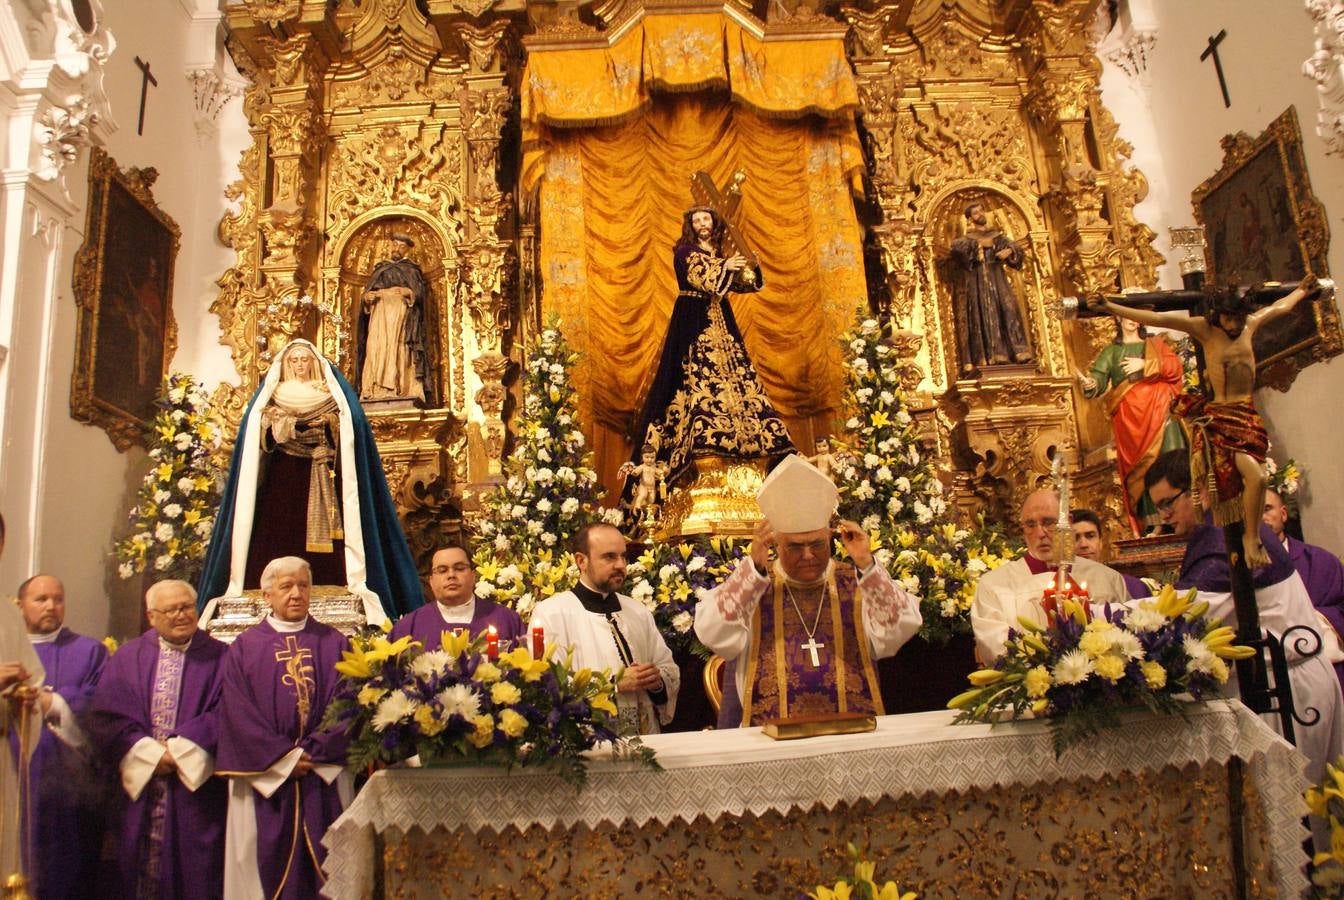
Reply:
x=392, y=363
x=706, y=398
x=989, y=321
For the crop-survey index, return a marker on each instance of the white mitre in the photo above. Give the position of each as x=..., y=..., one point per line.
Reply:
x=796, y=497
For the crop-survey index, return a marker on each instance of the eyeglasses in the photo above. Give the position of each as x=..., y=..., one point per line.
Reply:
x=1167, y=504
x=1033, y=524
x=175, y=611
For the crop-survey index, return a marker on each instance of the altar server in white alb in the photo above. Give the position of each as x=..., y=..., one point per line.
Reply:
x=801, y=634
x=607, y=630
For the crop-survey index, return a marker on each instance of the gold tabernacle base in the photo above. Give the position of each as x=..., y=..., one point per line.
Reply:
x=718, y=498
x=796, y=727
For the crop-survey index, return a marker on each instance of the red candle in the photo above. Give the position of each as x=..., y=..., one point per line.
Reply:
x=538, y=642
x=492, y=643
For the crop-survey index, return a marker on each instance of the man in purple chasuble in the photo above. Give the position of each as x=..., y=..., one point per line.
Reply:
x=452, y=581
x=801, y=635
x=287, y=779
x=66, y=826
x=154, y=718
x=1320, y=569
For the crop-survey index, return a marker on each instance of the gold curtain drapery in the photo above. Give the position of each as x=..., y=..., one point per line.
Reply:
x=612, y=194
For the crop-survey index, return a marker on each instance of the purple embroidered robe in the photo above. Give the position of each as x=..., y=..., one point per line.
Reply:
x=189, y=857
x=427, y=625
x=276, y=687
x=1323, y=575
x=68, y=793
x=780, y=679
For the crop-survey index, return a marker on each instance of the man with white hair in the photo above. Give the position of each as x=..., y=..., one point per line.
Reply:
x=1017, y=589
x=154, y=717
x=802, y=633
x=287, y=781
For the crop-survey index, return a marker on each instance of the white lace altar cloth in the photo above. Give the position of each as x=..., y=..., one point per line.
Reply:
x=742, y=772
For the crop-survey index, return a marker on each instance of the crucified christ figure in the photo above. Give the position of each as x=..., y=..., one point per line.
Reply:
x=1228, y=439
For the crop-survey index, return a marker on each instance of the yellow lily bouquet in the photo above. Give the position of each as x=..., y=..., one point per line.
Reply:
x=1081, y=673
x=398, y=700
x=1326, y=800
x=862, y=885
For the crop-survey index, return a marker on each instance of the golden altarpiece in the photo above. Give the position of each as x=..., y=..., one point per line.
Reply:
x=539, y=153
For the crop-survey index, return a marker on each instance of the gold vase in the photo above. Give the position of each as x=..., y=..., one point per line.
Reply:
x=719, y=497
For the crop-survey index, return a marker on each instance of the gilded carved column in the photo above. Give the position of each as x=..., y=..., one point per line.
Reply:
x=487, y=255
x=283, y=48
x=1063, y=79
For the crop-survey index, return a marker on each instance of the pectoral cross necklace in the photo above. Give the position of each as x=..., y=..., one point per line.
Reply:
x=811, y=645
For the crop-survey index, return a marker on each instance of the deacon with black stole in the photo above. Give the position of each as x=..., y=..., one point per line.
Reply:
x=607, y=630
x=801, y=635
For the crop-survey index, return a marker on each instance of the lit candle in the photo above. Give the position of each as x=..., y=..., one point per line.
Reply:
x=492, y=643
x=538, y=642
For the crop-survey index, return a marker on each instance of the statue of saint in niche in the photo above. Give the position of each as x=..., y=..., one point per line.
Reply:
x=988, y=319
x=392, y=363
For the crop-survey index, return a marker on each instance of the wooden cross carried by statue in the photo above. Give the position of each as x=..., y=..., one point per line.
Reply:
x=725, y=203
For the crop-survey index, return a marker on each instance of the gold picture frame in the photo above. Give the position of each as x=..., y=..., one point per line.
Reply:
x=1263, y=223
x=123, y=283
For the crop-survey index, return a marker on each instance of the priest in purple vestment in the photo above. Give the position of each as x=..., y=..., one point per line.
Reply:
x=452, y=581
x=801, y=634
x=287, y=778
x=1282, y=602
x=154, y=718
x=1320, y=569
x=66, y=826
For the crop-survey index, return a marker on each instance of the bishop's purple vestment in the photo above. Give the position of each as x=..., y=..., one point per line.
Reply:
x=172, y=837
x=427, y=624
x=276, y=688
x=67, y=826
x=1323, y=575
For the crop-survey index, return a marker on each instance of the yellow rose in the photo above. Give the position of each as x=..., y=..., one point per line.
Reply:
x=429, y=723
x=1094, y=644
x=511, y=723
x=1110, y=667
x=488, y=673
x=1154, y=674
x=505, y=694
x=484, y=733
x=1038, y=682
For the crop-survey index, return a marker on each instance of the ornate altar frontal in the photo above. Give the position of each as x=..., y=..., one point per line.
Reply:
x=537, y=157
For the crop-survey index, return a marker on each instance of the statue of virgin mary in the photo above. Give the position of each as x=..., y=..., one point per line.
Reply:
x=306, y=480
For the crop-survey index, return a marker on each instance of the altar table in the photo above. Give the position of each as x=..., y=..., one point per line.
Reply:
x=946, y=810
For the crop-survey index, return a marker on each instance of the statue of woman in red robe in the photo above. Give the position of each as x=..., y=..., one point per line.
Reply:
x=1139, y=375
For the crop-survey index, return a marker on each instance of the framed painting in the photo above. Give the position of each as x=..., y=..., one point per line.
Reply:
x=123, y=283
x=1263, y=223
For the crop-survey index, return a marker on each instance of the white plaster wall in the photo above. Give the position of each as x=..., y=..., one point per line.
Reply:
x=1176, y=124
x=84, y=487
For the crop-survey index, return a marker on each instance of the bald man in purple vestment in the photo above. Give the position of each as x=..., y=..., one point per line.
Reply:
x=154, y=717
x=287, y=779
x=66, y=825
x=452, y=581
x=1320, y=569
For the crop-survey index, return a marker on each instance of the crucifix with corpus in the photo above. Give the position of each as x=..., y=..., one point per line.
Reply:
x=1228, y=441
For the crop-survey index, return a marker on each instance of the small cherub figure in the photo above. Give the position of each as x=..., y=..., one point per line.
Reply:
x=649, y=475
x=823, y=459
